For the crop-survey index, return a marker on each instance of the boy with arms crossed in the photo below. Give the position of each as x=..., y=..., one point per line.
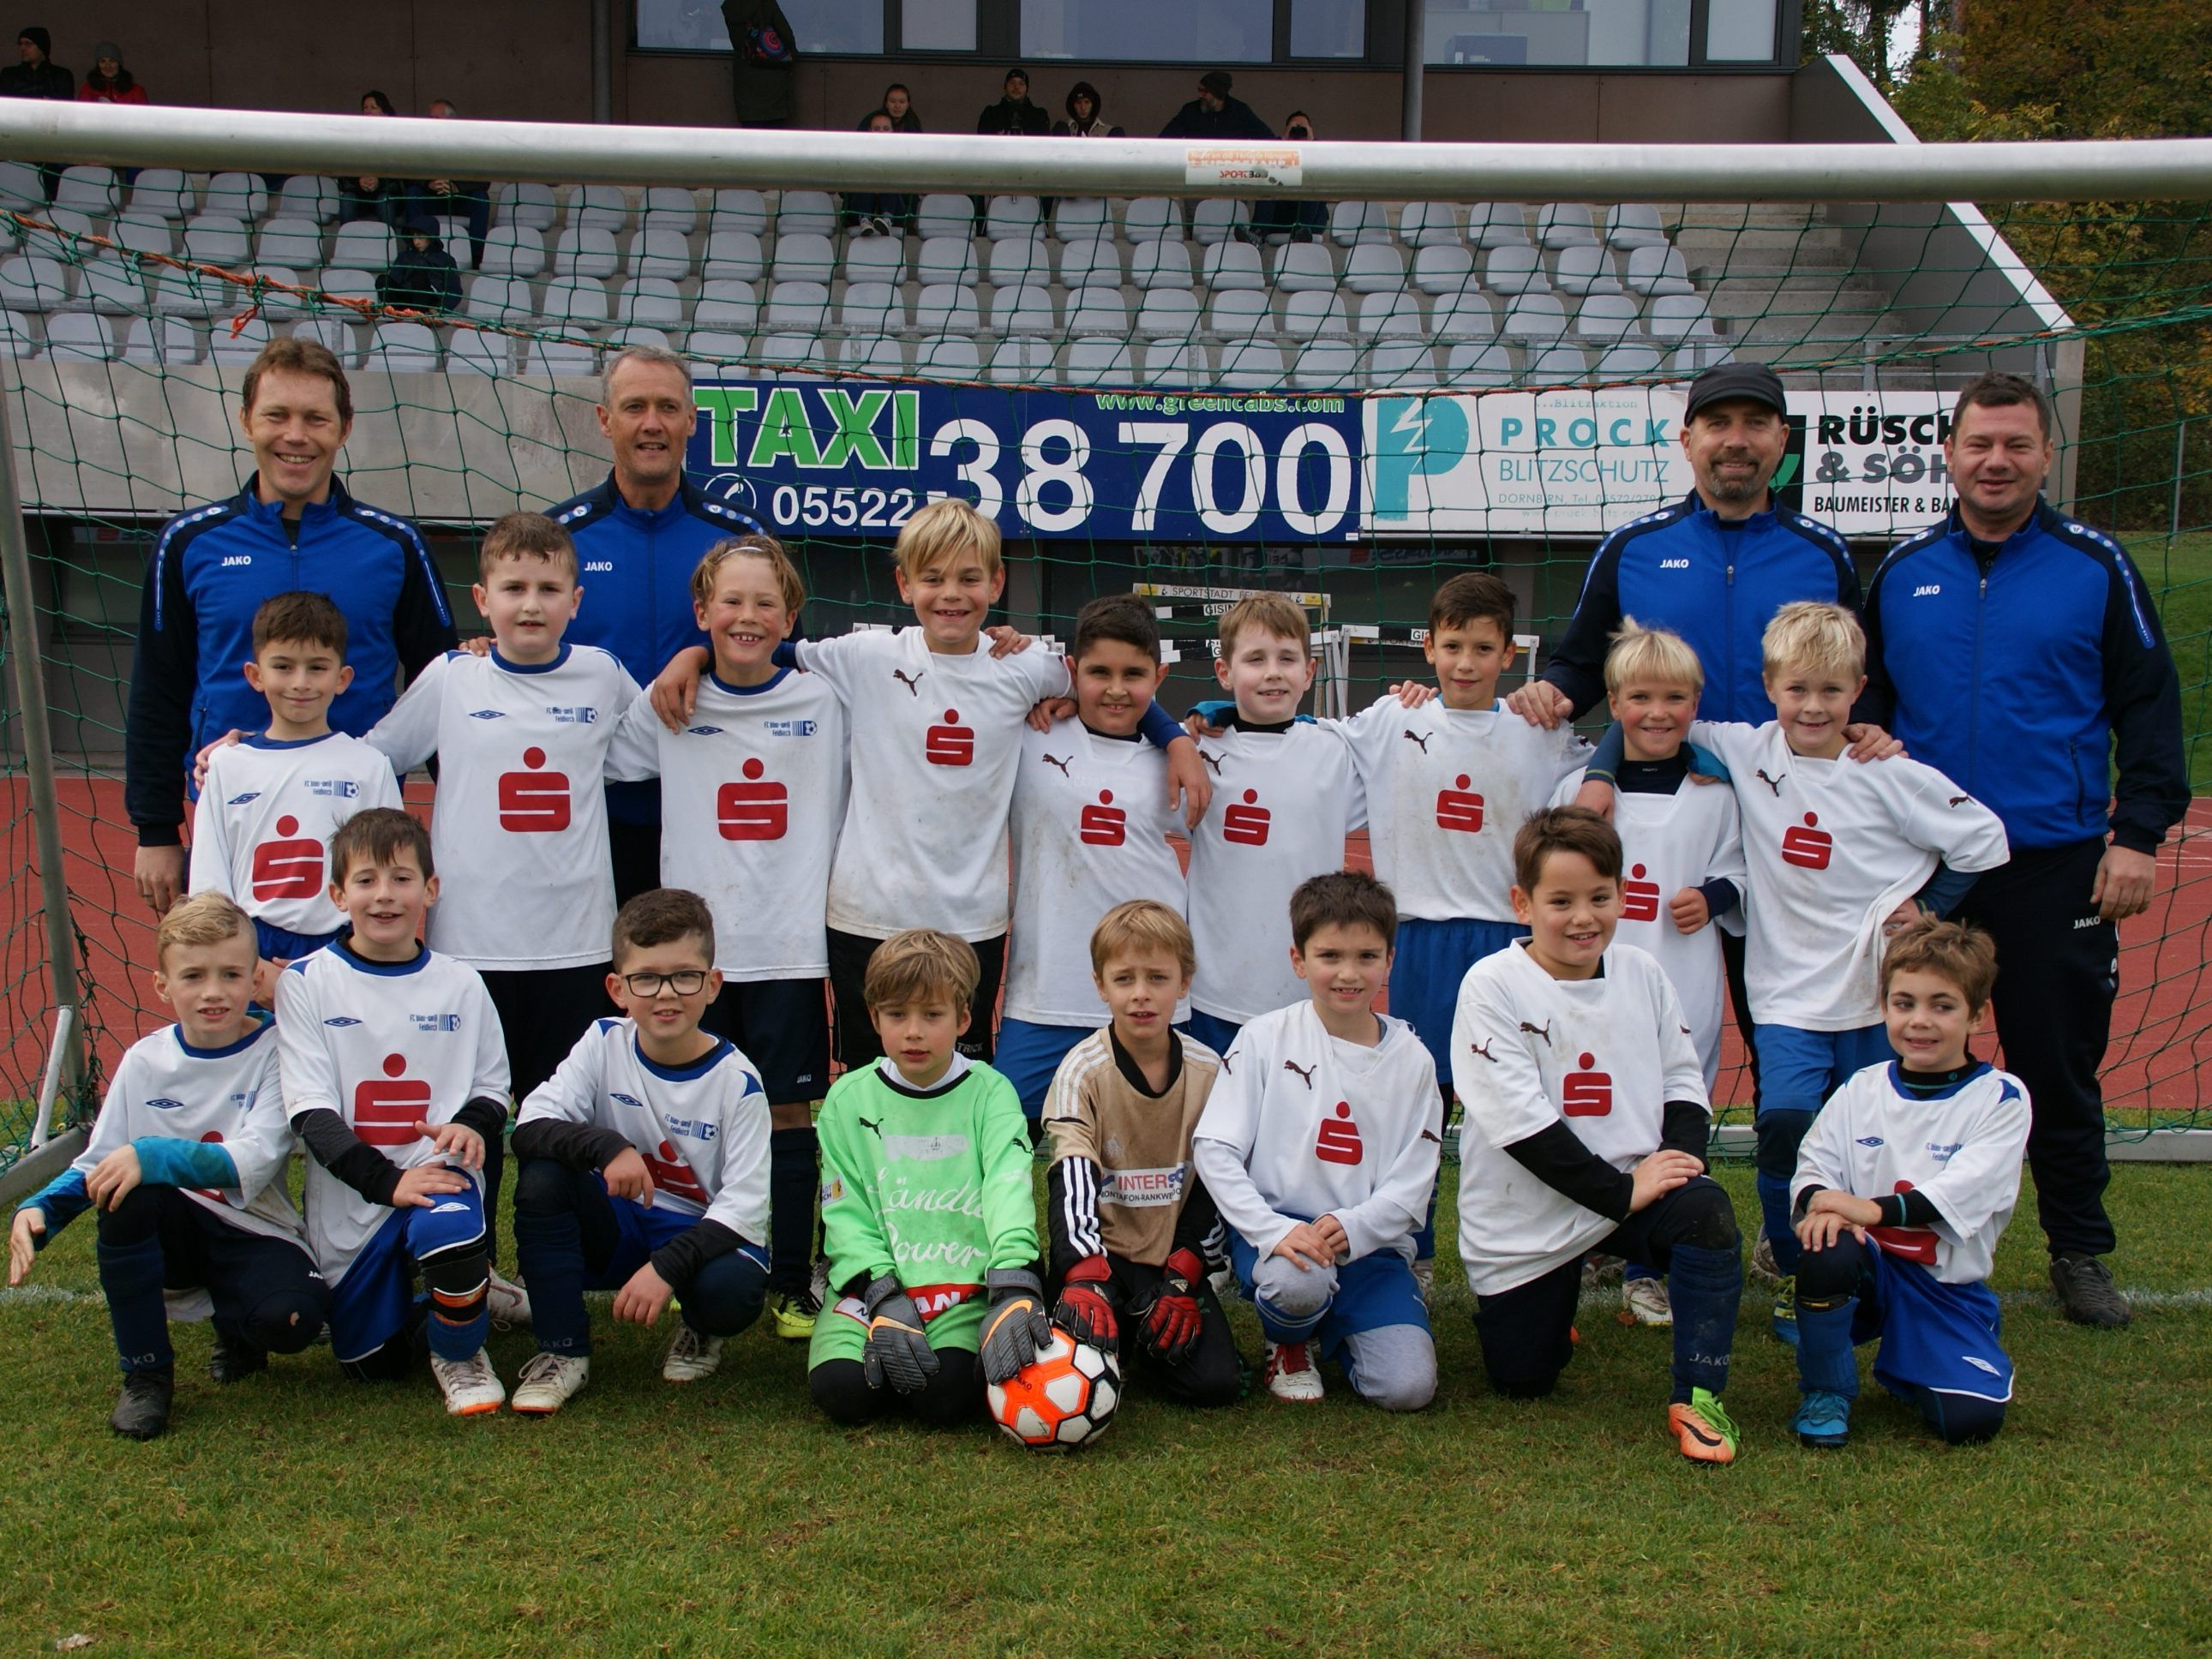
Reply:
x=644, y=1164
x=187, y=1169
x=1319, y=1146
x=1586, y=1126
x=1129, y=1218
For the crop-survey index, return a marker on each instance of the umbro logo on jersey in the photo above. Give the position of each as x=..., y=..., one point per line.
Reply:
x=1674, y=564
x=341, y=1021
x=436, y=1021
x=232, y=560
x=576, y=715
x=1870, y=1140
x=603, y=566
x=240, y=800
x=487, y=713
x=702, y=730
x=1927, y=589
x=447, y=1208
x=166, y=1105
x=622, y=1099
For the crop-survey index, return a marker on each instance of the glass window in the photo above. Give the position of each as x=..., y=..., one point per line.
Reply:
x=1156, y=31
x=940, y=24
x=848, y=25
x=1328, y=28
x=1592, y=32
x=1739, y=31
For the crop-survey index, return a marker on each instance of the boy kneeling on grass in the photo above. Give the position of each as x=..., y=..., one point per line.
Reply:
x=1904, y=1182
x=187, y=1169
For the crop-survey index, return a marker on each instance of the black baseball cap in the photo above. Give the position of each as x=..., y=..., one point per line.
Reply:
x=1740, y=380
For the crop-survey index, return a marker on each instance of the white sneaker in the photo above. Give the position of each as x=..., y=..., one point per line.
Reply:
x=1599, y=1270
x=1292, y=1373
x=470, y=1385
x=508, y=1302
x=1424, y=1275
x=548, y=1381
x=1645, y=1302
x=691, y=1357
x=1762, y=1261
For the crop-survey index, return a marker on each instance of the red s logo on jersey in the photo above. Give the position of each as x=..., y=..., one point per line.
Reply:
x=1909, y=1243
x=1639, y=899
x=287, y=869
x=673, y=1175
x=752, y=810
x=534, y=802
x=951, y=744
x=385, y=1114
x=1103, y=825
x=1807, y=846
x=1247, y=823
x=1458, y=808
x=1586, y=1093
x=1339, y=1141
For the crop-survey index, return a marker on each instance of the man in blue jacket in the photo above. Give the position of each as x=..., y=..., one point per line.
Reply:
x=2017, y=651
x=638, y=536
x=293, y=526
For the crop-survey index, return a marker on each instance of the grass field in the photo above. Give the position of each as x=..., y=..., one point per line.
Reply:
x=297, y=1513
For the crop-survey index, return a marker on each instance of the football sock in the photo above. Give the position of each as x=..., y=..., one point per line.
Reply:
x=1705, y=1285
x=794, y=1176
x=1779, y=1132
x=130, y=1275
x=1826, y=1362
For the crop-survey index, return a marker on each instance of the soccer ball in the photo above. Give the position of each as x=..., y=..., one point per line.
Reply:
x=1062, y=1399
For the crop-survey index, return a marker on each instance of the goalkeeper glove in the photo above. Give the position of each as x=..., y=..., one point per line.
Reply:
x=1016, y=1327
x=897, y=1353
x=1172, y=1322
x=1088, y=1299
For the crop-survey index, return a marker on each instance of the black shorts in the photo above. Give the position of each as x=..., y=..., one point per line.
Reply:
x=543, y=1013
x=857, y=1043
x=783, y=1026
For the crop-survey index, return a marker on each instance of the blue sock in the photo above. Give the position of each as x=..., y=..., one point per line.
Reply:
x=1774, y=1217
x=1780, y=1130
x=549, y=1244
x=1705, y=1285
x=460, y=1314
x=1825, y=1360
x=130, y=1275
x=1424, y=1241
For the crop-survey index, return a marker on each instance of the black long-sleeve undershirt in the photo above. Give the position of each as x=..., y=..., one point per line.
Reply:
x=1555, y=1155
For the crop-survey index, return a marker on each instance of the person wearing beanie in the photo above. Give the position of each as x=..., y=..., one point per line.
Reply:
x=37, y=76
x=1214, y=114
x=109, y=82
x=1013, y=116
x=1086, y=115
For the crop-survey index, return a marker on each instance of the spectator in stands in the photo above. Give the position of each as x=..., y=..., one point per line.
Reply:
x=1291, y=221
x=1214, y=114
x=292, y=525
x=764, y=53
x=898, y=104
x=1013, y=116
x=444, y=199
x=39, y=77
x=109, y=82
x=1086, y=117
x=422, y=277
x=365, y=196
x=878, y=213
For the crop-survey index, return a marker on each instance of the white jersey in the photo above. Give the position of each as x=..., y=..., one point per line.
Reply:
x=1447, y=788
x=752, y=792
x=702, y=1129
x=1283, y=803
x=1669, y=842
x=1962, y=1150
x=386, y=1046
x=1090, y=823
x=261, y=832
x=519, y=829
x=936, y=741
x=164, y=1086
x=1300, y=1124
x=1603, y=1055
x=1833, y=848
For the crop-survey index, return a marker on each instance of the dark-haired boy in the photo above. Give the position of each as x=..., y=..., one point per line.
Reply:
x=644, y=1164
x=1090, y=829
x=1319, y=1146
x=270, y=803
x=1586, y=1124
x=395, y=1077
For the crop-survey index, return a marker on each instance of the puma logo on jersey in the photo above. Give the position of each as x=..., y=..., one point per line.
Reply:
x=1211, y=760
x=232, y=560
x=1958, y=801
x=1775, y=784
x=1305, y=1072
x=875, y=1128
x=1543, y=1032
x=1674, y=564
x=1483, y=1048
x=1927, y=589
x=1055, y=760
x=1417, y=736
x=913, y=685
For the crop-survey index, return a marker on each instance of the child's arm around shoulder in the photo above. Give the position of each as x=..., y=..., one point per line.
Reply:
x=1937, y=815
x=633, y=752
x=408, y=734
x=209, y=870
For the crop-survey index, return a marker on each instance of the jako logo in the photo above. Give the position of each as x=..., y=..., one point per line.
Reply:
x=603, y=566
x=1927, y=589
x=232, y=560
x=1674, y=564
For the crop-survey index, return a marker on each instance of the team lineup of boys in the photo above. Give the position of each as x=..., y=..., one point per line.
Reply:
x=1199, y=1053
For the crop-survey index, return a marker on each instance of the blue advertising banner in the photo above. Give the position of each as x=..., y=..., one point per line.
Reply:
x=853, y=458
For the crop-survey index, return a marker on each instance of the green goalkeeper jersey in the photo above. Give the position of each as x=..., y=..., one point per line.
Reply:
x=933, y=1187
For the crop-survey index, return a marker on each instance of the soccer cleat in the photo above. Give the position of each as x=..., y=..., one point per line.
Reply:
x=693, y=1356
x=509, y=1303
x=1601, y=1270
x=1425, y=1276
x=548, y=1381
x=1644, y=1301
x=2087, y=1293
x=792, y=1315
x=1762, y=1261
x=472, y=1388
x=235, y=1359
x=142, y=1411
x=1823, y=1419
x=1292, y=1373
x=1706, y=1433
x=1784, y=1320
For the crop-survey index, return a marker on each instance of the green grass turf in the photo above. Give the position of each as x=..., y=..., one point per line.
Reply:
x=299, y=1513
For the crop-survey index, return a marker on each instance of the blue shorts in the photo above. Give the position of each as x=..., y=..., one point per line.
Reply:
x=280, y=944
x=1028, y=1053
x=1934, y=1335
x=1372, y=1292
x=643, y=1231
x=1798, y=1070
x=1215, y=1032
x=369, y=1306
x=1432, y=958
x=782, y=1025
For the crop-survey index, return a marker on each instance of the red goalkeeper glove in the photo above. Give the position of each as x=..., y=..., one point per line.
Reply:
x=1172, y=1323
x=1085, y=1310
